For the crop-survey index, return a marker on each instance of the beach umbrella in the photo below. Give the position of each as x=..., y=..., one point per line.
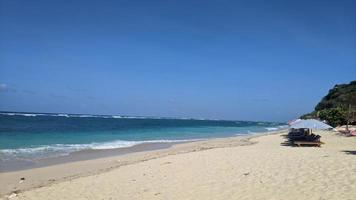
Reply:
x=294, y=121
x=311, y=124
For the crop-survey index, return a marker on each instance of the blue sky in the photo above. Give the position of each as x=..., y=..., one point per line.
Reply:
x=244, y=60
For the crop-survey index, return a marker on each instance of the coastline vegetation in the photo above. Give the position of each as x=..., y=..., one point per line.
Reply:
x=338, y=107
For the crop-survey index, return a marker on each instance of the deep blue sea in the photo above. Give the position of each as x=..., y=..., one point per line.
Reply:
x=34, y=136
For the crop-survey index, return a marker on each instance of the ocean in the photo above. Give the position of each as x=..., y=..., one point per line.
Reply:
x=33, y=136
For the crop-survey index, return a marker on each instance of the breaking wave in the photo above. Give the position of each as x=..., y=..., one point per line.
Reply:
x=65, y=149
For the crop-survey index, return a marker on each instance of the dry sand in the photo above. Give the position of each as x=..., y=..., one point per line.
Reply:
x=230, y=168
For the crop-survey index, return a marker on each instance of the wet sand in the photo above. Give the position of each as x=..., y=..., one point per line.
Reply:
x=89, y=154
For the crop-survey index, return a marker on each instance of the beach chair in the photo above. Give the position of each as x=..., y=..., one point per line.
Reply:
x=297, y=134
x=352, y=133
x=304, y=137
x=308, y=143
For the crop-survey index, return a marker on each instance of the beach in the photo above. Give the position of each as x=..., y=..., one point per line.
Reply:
x=177, y=100
x=257, y=167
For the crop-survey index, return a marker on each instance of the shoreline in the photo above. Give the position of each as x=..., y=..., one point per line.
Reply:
x=82, y=155
x=236, y=165
x=49, y=174
x=91, y=154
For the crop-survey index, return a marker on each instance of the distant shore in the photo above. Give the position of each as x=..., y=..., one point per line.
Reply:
x=252, y=167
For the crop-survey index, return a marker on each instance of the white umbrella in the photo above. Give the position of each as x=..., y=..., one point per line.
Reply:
x=311, y=124
x=294, y=121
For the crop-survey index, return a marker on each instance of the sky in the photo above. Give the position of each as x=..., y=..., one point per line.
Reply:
x=238, y=60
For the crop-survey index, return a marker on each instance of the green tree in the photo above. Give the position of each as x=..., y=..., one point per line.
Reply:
x=338, y=107
x=334, y=116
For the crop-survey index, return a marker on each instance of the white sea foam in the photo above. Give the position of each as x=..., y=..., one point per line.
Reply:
x=276, y=128
x=283, y=126
x=103, y=116
x=116, y=116
x=22, y=114
x=65, y=149
x=62, y=115
x=122, y=144
x=11, y=114
x=241, y=134
x=27, y=114
x=271, y=128
x=85, y=116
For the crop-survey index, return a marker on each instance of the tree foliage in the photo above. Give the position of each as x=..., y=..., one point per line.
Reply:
x=339, y=96
x=337, y=106
x=334, y=116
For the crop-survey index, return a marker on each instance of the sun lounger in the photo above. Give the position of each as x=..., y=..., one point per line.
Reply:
x=308, y=143
x=312, y=138
x=352, y=133
x=300, y=137
x=347, y=133
x=297, y=134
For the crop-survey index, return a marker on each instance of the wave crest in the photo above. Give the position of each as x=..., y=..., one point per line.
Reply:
x=65, y=149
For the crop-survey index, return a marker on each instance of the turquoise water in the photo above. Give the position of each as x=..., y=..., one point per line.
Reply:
x=33, y=136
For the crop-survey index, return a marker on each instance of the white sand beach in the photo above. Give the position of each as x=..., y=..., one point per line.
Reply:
x=230, y=168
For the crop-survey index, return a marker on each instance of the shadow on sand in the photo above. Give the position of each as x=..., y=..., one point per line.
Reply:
x=286, y=142
x=350, y=152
